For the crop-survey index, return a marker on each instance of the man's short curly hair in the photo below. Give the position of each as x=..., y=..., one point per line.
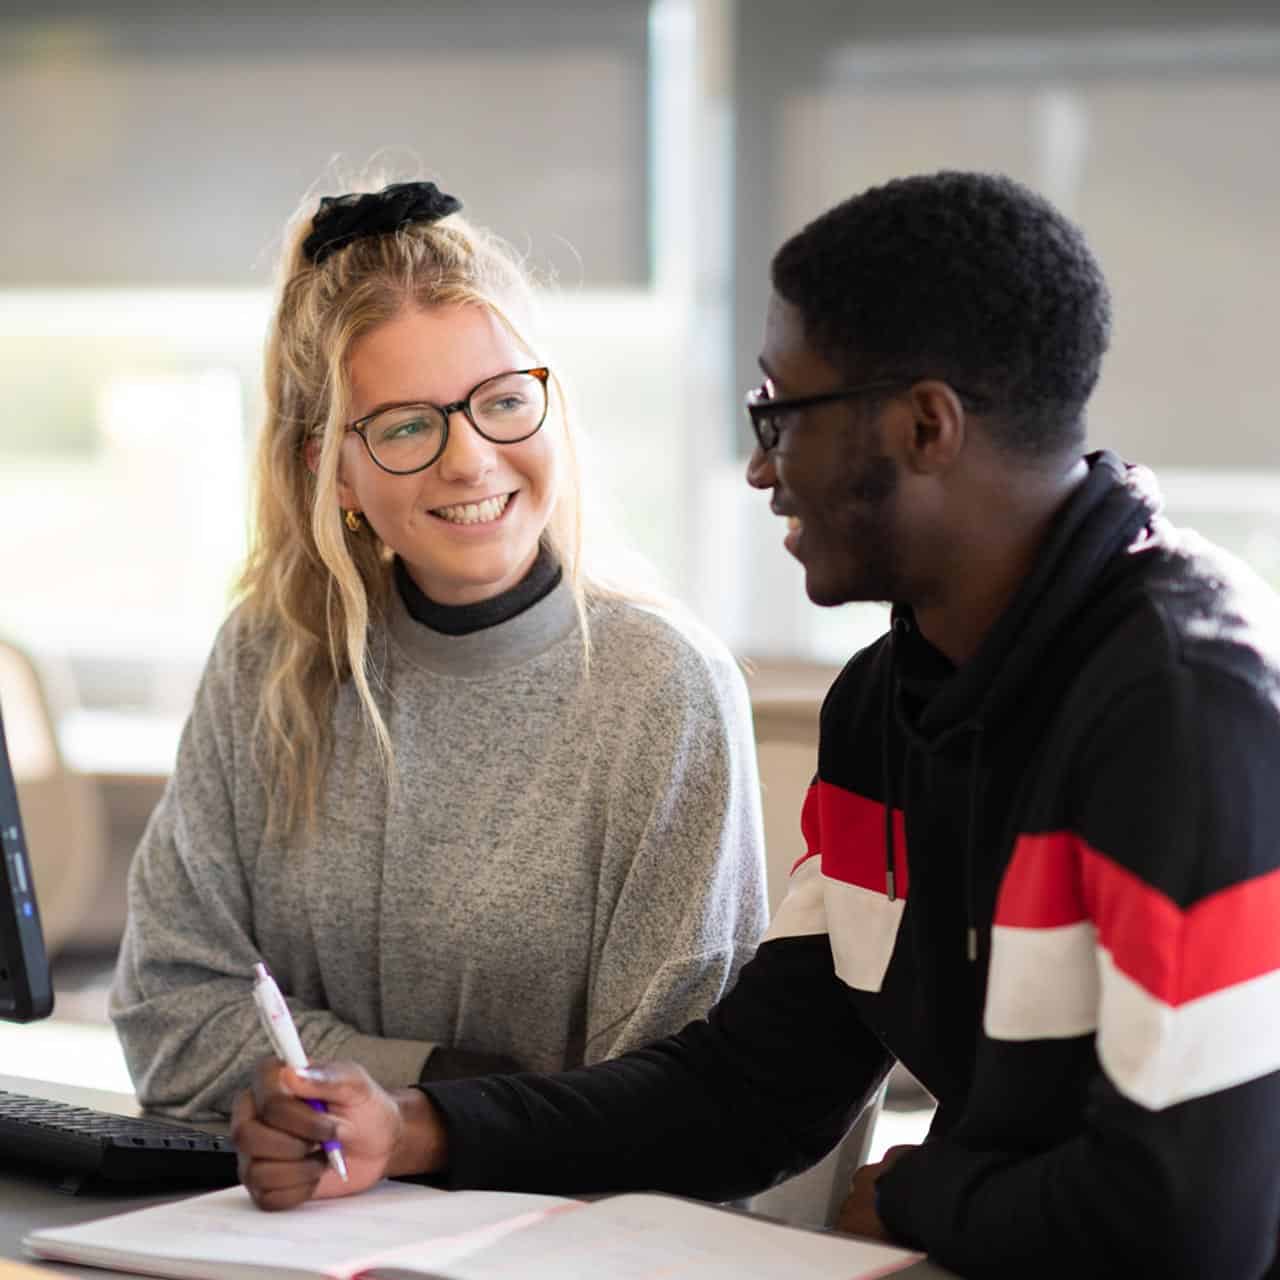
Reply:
x=967, y=277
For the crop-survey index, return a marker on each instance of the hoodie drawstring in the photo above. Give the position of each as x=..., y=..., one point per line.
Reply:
x=886, y=733
x=890, y=877
x=970, y=844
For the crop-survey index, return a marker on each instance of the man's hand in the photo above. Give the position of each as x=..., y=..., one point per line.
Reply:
x=278, y=1136
x=858, y=1216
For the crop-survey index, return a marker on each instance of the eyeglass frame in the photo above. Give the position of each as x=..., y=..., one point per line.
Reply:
x=541, y=372
x=758, y=409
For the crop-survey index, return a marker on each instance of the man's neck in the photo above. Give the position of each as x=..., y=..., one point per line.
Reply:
x=987, y=563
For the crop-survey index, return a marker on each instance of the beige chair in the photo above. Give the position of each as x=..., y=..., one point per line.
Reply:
x=786, y=722
x=785, y=700
x=62, y=810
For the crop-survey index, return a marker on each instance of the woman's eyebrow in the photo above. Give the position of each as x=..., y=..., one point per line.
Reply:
x=391, y=404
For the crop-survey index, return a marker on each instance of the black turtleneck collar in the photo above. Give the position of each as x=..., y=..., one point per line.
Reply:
x=463, y=619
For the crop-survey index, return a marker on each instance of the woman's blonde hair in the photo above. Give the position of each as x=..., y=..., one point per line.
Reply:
x=312, y=586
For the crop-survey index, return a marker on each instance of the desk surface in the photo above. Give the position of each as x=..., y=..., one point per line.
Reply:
x=28, y=1201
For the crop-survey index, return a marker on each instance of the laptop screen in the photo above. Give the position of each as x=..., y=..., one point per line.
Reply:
x=25, y=990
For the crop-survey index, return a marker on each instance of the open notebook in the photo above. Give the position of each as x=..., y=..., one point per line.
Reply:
x=398, y=1231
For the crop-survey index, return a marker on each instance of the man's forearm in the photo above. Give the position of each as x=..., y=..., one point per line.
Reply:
x=644, y=1120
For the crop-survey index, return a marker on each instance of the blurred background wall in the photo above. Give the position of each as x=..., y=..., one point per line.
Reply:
x=649, y=157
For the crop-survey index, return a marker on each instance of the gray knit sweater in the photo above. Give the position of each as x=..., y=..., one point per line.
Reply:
x=572, y=865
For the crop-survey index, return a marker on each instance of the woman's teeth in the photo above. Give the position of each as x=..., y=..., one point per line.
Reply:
x=474, y=512
x=793, y=523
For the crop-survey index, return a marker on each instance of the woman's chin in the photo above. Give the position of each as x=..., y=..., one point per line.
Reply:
x=471, y=580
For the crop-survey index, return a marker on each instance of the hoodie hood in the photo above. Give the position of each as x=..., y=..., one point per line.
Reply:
x=1110, y=510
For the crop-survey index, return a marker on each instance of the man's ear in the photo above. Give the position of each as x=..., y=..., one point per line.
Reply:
x=938, y=428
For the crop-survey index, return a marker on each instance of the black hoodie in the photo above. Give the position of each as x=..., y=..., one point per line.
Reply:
x=1049, y=882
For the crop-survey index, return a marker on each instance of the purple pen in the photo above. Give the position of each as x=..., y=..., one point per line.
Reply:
x=278, y=1024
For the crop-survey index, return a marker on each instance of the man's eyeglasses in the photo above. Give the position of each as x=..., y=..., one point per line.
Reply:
x=504, y=409
x=769, y=414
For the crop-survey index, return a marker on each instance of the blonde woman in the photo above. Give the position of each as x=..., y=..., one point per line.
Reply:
x=474, y=810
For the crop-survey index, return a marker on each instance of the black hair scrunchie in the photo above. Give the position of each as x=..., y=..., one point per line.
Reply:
x=341, y=220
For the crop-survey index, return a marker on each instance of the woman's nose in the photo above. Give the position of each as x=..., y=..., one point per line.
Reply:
x=467, y=454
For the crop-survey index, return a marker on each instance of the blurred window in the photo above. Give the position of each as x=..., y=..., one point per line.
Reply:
x=122, y=467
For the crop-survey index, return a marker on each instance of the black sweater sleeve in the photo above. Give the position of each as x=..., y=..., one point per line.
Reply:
x=1174, y=813
x=762, y=1088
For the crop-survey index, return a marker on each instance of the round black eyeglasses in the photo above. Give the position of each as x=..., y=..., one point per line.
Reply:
x=504, y=409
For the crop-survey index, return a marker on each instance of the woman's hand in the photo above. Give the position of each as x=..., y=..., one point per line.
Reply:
x=278, y=1137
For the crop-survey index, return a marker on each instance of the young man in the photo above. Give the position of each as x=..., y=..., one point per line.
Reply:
x=1042, y=864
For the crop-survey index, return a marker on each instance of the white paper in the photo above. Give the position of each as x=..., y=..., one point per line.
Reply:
x=223, y=1234
x=653, y=1237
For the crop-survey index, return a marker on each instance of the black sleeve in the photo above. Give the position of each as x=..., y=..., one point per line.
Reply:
x=1174, y=813
x=1187, y=1192
x=763, y=1087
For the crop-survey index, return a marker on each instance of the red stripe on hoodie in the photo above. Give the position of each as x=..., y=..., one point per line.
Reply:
x=1176, y=954
x=847, y=831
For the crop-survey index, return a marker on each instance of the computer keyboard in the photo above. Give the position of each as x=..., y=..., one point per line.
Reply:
x=96, y=1146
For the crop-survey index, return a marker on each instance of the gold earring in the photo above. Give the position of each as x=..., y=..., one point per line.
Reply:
x=353, y=520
